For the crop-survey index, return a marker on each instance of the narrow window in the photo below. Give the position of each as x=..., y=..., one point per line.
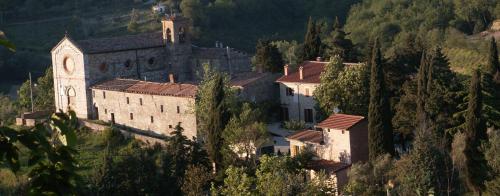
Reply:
x=93, y=94
x=285, y=115
x=307, y=92
x=178, y=110
x=140, y=101
x=161, y=108
x=342, y=131
x=152, y=120
x=105, y=111
x=128, y=100
x=131, y=116
x=104, y=94
x=308, y=115
x=289, y=91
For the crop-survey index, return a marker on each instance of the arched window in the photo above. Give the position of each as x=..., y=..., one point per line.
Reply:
x=182, y=35
x=169, y=36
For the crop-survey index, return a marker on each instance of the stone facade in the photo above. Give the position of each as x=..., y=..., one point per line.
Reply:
x=156, y=113
x=79, y=65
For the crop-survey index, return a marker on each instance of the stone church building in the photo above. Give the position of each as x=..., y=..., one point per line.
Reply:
x=136, y=68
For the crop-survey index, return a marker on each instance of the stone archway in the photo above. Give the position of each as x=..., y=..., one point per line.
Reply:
x=71, y=98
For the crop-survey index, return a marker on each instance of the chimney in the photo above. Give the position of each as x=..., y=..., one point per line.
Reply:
x=301, y=72
x=319, y=59
x=171, y=78
x=285, y=68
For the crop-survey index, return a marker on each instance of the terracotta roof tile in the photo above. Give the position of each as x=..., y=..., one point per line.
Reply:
x=311, y=136
x=128, y=42
x=152, y=88
x=340, y=121
x=311, y=70
x=243, y=79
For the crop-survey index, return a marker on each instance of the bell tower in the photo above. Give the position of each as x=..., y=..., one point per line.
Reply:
x=175, y=29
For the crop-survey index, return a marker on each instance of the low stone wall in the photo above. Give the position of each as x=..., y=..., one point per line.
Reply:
x=136, y=134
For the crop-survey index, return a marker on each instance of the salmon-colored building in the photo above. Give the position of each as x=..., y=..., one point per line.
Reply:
x=336, y=142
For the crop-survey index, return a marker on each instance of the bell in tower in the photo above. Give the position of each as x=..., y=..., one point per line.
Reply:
x=175, y=29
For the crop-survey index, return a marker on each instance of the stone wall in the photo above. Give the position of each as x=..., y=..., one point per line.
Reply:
x=264, y=89
x=148, y=116
x=142, y=137
x=70, y=89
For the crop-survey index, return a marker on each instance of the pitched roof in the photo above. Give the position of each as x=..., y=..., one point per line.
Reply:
x=311, y=70
x=340, y=121
x=310, y=136
x=152, y=88
x=327, y=165
x=127, y=42
x=243, y=79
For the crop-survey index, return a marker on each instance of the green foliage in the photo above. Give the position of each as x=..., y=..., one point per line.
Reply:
x=212, y=109
x=5, y=43
x=343, y=88
x=380, y=137
x=339, y=45
x=370, y=178
x=246, y=134
x=475, y=170
x=196, y=180
x=113, y=137
x=405, y=115
x=237, y=182
x=313, y=46
x=491, y=85
x=268, y=57
x=491, y=154
x=43, y=93
x=8, y=111
x=403, y=25
x=277, y=176
x=289, y=51
x=132, y=175
x=294, y=125
x=423, y=170
x=50, y=159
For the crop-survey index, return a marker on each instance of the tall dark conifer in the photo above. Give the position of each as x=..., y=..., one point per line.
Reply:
x=421, y=89
x=217, y=121
x=338, y=44
x=268, y=58
x=491, y=87
x=312, y=46
x=380, y=137
x=476, y=169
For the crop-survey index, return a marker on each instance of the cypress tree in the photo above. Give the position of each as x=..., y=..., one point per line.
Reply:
x=421, y=90
x=493, y=65
x=267, y=57
x=491, y=87
x=339, y=44
x=475, y=170
x=217, y=120
x=380, y=138
x=441, y=93
x=312, y=46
